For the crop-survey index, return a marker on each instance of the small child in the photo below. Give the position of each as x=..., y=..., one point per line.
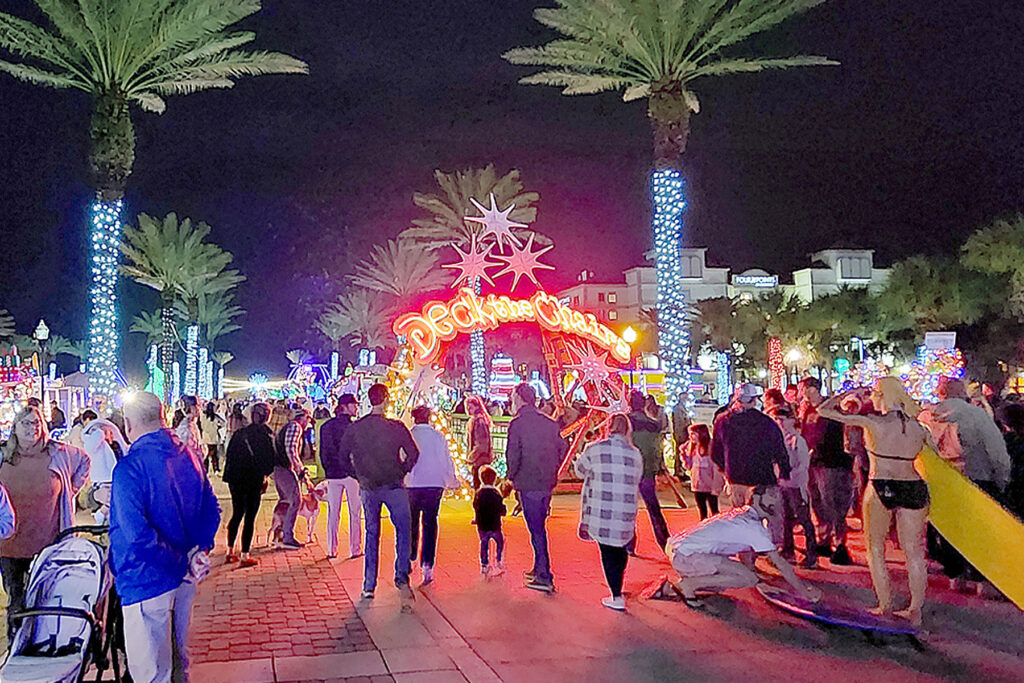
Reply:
x=706, y=480
x=795, y=492
x=490, y=508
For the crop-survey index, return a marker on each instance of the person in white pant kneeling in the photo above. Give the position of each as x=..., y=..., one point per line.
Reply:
x=163, y=518
x=341, y=478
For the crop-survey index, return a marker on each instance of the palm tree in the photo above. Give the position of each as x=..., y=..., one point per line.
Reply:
x=123, y=54
x=150, y=324
x=361, y=317
x=175, y=259
x=222, y=358
x=401, y=268
x=447, y=225
x=6, y=324
x=213, y=313
x=656, y=50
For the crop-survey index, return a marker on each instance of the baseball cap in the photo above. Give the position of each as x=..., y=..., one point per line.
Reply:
x=745, y=393
x=347, y=399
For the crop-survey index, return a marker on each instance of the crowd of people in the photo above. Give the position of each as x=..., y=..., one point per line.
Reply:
x=782, y=461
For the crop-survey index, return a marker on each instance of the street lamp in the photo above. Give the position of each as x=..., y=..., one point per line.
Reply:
x=41, y=334
x=630, y=336
x=794, y=356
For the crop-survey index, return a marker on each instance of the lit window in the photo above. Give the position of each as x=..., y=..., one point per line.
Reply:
x=612, y=297
x=600, y=297
x=613, y=315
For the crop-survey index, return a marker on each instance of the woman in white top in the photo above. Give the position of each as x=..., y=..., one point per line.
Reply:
x=893, y=438
x=211, y=426
x=433, y=472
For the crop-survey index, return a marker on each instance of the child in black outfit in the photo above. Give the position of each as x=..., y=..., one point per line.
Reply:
x=490, y=508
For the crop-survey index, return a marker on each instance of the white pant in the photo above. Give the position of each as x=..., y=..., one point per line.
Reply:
x=156, y=636
x=350, y=487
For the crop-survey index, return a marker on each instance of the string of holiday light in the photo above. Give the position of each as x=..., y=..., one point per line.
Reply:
x=104, y=341
x=191, y=360
x=673, y=330
x=922, y=379
x=776, y=364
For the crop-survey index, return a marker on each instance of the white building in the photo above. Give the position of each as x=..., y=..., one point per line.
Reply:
x=842, y=268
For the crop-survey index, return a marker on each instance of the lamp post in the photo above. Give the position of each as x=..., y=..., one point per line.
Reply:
x=630, y=337
x=41, y=334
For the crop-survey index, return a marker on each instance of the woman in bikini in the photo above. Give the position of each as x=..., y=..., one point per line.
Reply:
x=893, y=438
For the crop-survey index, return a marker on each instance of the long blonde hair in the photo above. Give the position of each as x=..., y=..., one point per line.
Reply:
x=895, y=397
x=12, y=449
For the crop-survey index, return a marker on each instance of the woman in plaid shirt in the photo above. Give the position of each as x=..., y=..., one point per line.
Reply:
x=611, y=471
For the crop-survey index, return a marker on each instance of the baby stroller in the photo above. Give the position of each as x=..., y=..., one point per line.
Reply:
x=68, y=621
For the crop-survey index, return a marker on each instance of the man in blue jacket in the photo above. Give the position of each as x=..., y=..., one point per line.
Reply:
x=163, y=517
x=534, y=455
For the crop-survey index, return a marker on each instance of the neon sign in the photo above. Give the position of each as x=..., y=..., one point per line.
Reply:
x=442, y=321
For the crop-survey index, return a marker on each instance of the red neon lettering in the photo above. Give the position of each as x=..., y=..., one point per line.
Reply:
x=547, y=310
x=437, y=314
x=462, y=315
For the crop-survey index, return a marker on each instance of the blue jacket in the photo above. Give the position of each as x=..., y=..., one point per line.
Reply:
x=162, y=506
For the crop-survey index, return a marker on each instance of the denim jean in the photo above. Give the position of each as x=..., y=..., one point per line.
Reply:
x=536, y=505
x=485, y=547
x=424, y=503
x=397, y=502
x=649, y=493
x=288, y=505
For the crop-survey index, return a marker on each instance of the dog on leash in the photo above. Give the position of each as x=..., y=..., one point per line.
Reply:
x=309, y=509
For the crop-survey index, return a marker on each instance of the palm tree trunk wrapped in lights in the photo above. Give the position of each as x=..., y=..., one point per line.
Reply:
x=655, y=50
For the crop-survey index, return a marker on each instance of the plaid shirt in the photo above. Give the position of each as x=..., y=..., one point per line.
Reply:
x=293, y=432
x=611, y=470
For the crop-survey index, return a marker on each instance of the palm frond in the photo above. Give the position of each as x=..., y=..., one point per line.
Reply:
x=148, y=323
x=6, y=324
x=401, y=268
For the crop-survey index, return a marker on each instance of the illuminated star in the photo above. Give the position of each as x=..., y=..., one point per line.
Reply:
x=423, y=379
x=496, y=222
x=523, y=261
x=472, y=264
x=593, y=367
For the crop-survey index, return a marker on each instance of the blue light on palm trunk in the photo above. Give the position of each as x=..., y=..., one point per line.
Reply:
x=104, y=342
x=477, y=355
x=192, y=360
x=673, y=332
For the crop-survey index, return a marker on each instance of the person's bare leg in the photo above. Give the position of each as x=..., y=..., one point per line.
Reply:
x=911, y=524
x=877, y=519
x=730, y=574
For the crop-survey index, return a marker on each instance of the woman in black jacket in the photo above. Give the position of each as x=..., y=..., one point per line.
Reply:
x=249, y=460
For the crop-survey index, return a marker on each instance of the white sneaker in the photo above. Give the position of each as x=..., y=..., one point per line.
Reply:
x=428, y=574
x=485, y=571
x=498, y=570
x=618, y=604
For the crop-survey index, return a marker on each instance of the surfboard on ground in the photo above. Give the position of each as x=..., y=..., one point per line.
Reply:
x=832, y=613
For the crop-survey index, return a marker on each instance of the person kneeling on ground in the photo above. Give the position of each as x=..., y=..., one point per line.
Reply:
x=703, y=555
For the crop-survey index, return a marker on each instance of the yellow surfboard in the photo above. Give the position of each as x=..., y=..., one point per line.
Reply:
x=983, y=531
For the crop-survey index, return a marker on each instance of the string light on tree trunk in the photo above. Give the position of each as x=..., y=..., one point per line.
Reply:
x=104, y=342
x=776, y=364
x=175, y=382
x=673, y=330
x=192, y=360
x=204, y=389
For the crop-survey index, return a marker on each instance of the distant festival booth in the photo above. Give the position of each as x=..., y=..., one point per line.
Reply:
x=583, y=356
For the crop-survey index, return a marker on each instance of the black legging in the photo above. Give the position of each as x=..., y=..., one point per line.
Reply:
x=245, y=502
x=614, y=559
x=15, y=578
x=705, y=501
x=212, y=457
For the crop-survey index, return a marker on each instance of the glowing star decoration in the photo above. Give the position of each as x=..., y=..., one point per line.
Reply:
x=522, y=262
x=423, y=380
x=496, y=222
x=472, y=264
x=593, y=367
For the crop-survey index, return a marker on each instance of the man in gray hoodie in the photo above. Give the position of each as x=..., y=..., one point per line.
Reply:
x=534, y=455
x=969, y=438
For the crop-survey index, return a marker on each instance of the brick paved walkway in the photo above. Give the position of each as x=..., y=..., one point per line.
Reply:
x=292, y=619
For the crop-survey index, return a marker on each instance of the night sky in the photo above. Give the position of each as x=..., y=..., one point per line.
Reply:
x=912, y=143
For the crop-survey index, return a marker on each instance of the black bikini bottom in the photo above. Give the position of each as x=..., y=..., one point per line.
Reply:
x=898, y=493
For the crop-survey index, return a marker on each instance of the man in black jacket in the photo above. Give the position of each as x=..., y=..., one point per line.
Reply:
x=376, y=446
x=248, y=463
x=341, y=478
x=534, y=455
x=747, y=445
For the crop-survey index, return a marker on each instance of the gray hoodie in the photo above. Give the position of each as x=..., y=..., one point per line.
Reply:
x=982, y=447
